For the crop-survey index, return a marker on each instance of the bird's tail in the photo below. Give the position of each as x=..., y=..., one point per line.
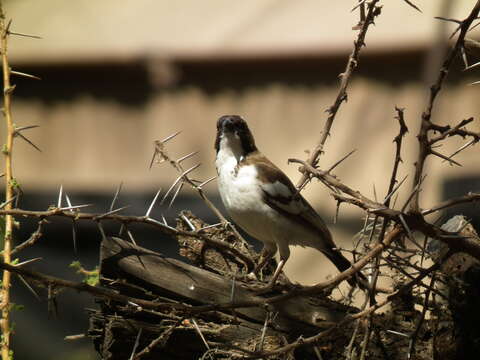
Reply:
x=342, y=264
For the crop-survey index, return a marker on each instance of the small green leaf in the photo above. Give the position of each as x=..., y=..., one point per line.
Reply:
x=16, y=307
x=14, y=183
x=92, y=279
x=75, y=265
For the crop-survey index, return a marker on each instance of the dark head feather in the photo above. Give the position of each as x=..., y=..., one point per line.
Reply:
x=236, y=125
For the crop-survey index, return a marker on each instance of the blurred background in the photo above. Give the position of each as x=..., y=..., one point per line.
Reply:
x=117, y=75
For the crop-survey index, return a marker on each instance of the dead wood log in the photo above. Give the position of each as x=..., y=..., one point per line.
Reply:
x=141, y=273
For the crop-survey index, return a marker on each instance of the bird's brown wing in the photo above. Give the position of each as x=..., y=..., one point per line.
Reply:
x=281, y=195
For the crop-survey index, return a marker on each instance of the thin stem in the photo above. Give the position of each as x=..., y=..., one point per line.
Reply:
x=9, y=190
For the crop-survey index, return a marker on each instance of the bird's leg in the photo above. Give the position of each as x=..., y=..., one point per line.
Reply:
x=276, y=274
x=265, y=255
x=267, y=288
x=284, y=255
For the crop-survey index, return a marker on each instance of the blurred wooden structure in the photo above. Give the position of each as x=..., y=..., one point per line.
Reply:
x=112, y=86
x=118, y=75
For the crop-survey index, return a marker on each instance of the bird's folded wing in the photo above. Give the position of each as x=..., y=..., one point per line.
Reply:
x=281, y=195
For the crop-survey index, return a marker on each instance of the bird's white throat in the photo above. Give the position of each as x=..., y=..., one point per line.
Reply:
x=230, y=151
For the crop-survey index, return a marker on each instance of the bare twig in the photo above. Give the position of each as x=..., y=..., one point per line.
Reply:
x=34, y=237
x=446, y=131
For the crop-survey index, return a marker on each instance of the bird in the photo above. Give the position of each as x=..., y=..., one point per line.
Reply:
x=262, y=200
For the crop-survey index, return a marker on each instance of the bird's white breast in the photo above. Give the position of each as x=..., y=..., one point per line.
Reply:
x=243, y=198
x=243, y=194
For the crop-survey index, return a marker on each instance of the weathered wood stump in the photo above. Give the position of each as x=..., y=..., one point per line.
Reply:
x=144, y=274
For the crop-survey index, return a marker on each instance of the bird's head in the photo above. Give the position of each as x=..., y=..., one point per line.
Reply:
x=233, y=131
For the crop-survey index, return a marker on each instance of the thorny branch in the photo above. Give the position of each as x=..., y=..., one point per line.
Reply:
x=11, y=185
x=350, y=318
x=373, y=11
x=9, y=188
x=161, y=155
x=144, y=305
x=48, y=280
x=34, y=237
x=413, y=221
x=427, y=125
x=398, y=153
x=124, y=219
x=375, y=273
